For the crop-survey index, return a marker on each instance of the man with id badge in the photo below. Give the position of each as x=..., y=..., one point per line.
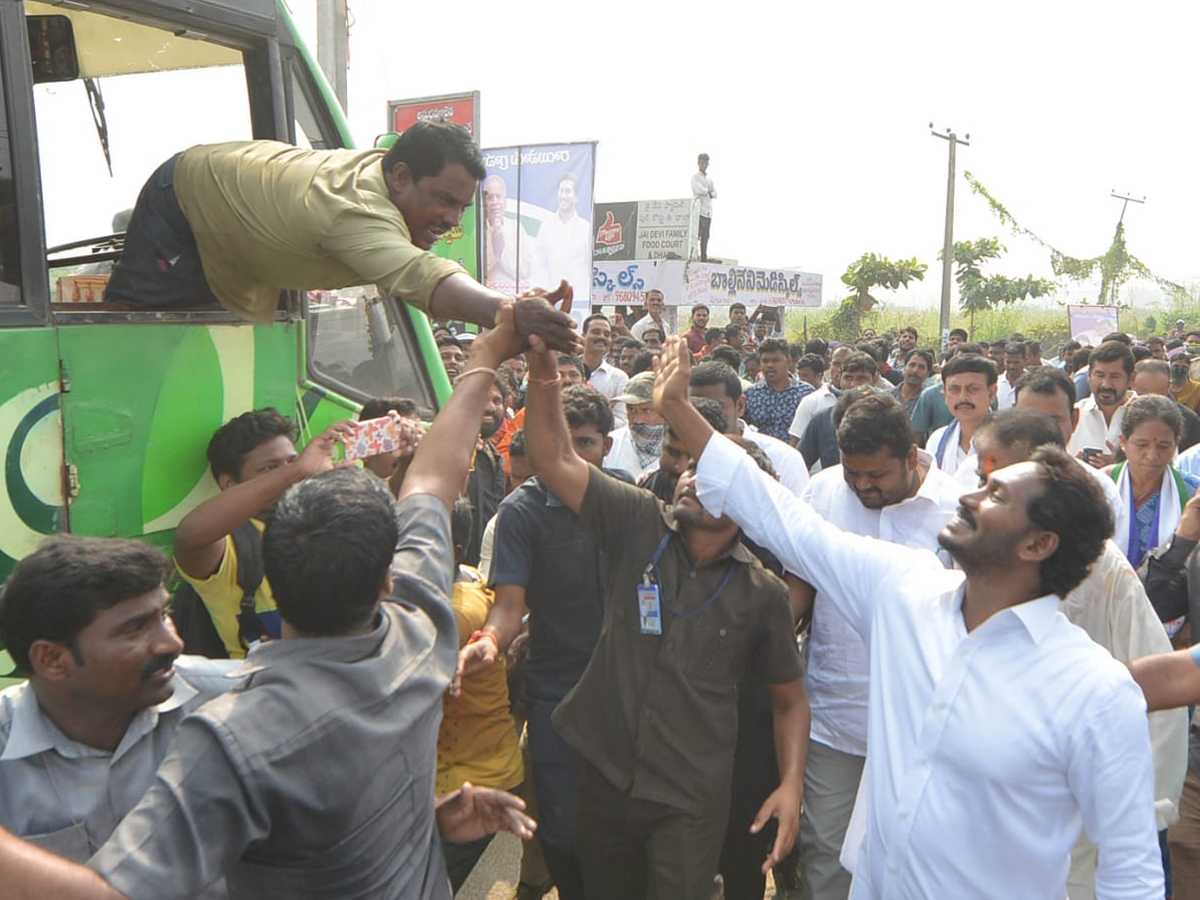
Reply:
x=654, y=717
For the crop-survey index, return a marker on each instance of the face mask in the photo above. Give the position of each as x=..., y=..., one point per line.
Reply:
x=647, y=440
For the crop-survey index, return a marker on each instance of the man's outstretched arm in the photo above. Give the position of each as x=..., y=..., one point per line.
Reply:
x=459, y=296
x=1169, y=680
x=547, y=441
x=30, y=873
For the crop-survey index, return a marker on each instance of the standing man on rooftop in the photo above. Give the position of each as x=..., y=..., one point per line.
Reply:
x=237, y=223
x=703, y=193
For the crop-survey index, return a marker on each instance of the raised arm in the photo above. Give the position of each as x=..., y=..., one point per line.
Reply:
x=547, y=440
x=200, y=537
x=441, y=462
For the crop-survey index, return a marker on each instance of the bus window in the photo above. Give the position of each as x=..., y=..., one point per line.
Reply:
x=10, y=259
x=360, y=347
x=144, y=94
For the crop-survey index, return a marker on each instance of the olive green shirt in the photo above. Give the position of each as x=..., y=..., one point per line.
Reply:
x=657, y=714
x=269, y=216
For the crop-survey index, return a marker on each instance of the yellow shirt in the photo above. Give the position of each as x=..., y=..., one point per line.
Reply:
x=223, y=598
x=478, y=738
x=1189, y=396
x=269, y=216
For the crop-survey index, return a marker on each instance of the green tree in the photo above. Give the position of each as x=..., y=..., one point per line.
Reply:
x=867, y=273
x=977, y=291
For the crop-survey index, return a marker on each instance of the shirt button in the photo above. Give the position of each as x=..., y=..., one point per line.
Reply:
x=893, y=870
x=692, y=574
x=905, y=816
x=722, y=632
x=923, y=763
x=940, y=707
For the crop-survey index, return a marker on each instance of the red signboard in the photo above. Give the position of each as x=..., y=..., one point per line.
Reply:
x=460, y=108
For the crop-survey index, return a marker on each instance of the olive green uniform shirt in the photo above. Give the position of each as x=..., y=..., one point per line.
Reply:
x=269, y=216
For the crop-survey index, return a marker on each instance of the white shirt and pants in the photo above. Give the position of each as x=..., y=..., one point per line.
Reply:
x=990, y=749
x=838, y=669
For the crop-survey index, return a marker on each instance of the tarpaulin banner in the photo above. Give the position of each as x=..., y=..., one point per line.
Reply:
x=537, y=222
x=616, y=230
x=686, y=283
x=642, y=229
x=1091, y=323
x=460, y=244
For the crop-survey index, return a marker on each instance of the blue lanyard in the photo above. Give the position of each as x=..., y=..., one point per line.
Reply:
x=652, y=567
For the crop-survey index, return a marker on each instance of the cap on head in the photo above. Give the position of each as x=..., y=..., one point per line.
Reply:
x=639, y=389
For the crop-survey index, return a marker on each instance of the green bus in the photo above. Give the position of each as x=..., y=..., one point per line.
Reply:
x=105, y=414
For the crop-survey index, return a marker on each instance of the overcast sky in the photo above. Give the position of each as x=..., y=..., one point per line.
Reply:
x=816, y=114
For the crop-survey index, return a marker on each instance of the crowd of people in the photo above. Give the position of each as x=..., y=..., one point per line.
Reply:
x=681, y=611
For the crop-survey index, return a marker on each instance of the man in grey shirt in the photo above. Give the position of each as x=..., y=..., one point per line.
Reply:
x=315, y=777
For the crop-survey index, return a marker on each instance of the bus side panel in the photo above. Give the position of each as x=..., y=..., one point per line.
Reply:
x=32, y=495
x=143, y=405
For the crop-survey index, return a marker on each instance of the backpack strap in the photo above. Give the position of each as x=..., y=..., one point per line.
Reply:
x=247, y=543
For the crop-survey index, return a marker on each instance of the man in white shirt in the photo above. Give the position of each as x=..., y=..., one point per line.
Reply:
x=884, y=488
x=564, y=247
x=655, y=307
x=1014, y=368
x=80, y=742
x=703, y=193
x=601, y=374
x=1110, y=372
x=720, y=382
x=1111, y=605
x=997, y=728
x=969, y=385
x=508, y=248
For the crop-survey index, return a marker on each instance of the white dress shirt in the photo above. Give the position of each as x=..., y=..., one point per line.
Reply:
x=67, y=797
x=986, y=750
x=610, y=381
x=962, y=465
x=1092, y=430
x=564, y=250
x=810, y=406
x=703, y=192
x=1006, y=392
x=645, y=323
x=838, y=667
x=789, y=464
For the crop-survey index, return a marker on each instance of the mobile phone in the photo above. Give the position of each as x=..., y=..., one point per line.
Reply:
x=1089, y=452
x=373, y=437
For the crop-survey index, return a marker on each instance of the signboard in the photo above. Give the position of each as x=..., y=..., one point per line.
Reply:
x=686, y=283
x=460, y=244
x=1091, y=323
x=537, y=219
x=642, y=229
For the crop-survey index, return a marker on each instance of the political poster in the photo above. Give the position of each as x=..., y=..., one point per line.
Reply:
x=460, y=244
x=537, y=219
x=1091, y=323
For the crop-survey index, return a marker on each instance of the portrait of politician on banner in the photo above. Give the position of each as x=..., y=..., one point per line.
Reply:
x=538, y=219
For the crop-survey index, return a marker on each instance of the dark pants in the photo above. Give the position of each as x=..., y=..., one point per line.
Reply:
x=705, y=230
x=632, y=849
x=755, y=776
x=556, y=780
x=160, y=265
x=1184, y=840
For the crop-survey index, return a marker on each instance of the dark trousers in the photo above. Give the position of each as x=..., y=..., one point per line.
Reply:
x=556, y=780
x=755, y=776
x=160, y=264
x=632, y=849
x=1184, y=840
x=705, y=230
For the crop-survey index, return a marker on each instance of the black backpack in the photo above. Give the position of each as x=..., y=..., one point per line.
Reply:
x=191, y=617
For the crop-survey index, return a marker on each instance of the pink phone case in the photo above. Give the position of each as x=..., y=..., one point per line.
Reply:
x=373, y=437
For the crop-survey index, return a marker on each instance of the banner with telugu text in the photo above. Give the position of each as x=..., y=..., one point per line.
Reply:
x=687, y=283
x=642, y=229
x=460, y=244
x=1091, y=323
x=537, y=219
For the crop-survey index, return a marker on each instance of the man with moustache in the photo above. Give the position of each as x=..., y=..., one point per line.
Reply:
x=1013, y=368
x=655, y=307
x=969, y=384
x=917, y=367
x=598, y=371
x=984, y=702
x=1110, y=371
x=487, y=482
x=823, y=397
x=80, y=741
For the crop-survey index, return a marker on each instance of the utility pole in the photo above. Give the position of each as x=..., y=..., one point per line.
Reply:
x=1119, y=237
x=332, y=40
x=1124, y=206
x=948, y=242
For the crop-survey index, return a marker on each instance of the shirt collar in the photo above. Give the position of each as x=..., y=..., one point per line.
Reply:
x=32, y=732
x=1037, y=615
x=736, y=549
x=340, y=648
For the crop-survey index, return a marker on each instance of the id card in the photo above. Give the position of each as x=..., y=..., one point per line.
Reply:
x=649, y=611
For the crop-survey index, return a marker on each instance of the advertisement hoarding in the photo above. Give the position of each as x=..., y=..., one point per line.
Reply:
x=1091, y=323
x=537, y=219
x=642, y=229
x=460, y=244
x=686, y=283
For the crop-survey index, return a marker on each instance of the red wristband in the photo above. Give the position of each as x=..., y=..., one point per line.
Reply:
x=480, y=635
